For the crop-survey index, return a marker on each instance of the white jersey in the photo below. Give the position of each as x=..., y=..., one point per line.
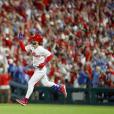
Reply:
x=39, y=54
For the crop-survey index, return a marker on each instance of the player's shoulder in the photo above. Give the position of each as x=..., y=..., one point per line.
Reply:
x=41, y=47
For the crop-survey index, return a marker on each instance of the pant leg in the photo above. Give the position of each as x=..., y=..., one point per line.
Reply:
x=37, y=76
x=46, y=82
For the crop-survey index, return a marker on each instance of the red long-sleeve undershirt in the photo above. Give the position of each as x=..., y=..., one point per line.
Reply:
x=22, y=46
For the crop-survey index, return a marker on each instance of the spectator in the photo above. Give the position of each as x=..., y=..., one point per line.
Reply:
x=82, y=78
x=96, y=75
x=76, y=31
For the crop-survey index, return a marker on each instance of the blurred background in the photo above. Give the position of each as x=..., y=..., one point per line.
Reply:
x=80, y=33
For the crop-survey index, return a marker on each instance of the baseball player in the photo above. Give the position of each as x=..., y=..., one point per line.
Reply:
x=41, y=57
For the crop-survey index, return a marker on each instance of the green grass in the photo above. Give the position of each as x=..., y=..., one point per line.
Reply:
x=54, y=109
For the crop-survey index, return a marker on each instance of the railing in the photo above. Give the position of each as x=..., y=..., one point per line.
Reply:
x=75, y=95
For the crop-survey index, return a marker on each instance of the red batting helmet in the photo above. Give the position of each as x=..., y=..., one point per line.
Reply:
x=37, y=37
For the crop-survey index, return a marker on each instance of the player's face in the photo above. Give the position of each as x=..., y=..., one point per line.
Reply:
x=34, y=44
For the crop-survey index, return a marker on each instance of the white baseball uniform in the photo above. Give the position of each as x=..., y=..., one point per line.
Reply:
x=39, y=55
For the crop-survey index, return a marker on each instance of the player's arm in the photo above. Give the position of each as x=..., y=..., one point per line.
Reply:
x=24, y=48
x=48, y=56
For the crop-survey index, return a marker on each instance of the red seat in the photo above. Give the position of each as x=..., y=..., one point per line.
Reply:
x=4, y=79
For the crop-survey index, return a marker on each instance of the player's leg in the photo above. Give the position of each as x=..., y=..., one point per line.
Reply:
x=38, y=74
x=56, y=87
x=34, y=79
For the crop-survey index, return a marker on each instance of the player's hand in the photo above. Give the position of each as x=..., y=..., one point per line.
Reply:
x=20, y=36
x=41, y=65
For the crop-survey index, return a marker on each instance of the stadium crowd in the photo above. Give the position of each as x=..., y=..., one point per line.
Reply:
x=80, y=33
